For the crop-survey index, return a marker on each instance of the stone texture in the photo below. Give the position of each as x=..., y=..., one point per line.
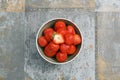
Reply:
x=16, y=35
x=108, y=5
x=12, y=5
x=108, y=51
x=11, y=46
x=82, y=68
x=82, y=4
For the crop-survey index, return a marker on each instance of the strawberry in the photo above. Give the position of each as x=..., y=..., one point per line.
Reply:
x=48, y=32
x=61, y=31
x=42, y=41
x=77, y=39
x=71, y=49
x=69, y=39
x=58, y=38
x=61, y=57
x=48, y=52
x=60, y=25
x=70, y=29
x=53, y=46
x=64, y=47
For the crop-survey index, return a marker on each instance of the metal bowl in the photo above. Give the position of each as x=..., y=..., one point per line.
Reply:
x=51, y=23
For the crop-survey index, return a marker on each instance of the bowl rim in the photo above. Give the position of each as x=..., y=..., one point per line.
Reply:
x=37, y=46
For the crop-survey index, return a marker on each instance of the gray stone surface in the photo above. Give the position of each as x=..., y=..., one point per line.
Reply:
x=11, y=46
x=108, y=40
x=12, y=5
x=82, y=4
x=107, y=5
x=82, y=68
x=18, y=32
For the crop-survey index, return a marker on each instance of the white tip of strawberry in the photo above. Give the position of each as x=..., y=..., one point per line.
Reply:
x=58, y=39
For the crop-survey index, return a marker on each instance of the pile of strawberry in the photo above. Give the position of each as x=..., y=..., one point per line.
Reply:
x=59, y=41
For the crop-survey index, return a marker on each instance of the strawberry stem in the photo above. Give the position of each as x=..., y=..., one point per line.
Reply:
x=53, y=35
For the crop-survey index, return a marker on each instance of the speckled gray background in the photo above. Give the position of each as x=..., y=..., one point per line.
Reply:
x=108, y=54
x=83, y=67
x=99, y=21
x=12, y=46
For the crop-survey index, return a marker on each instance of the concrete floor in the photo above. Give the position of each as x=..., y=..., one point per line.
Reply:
x=99, y=21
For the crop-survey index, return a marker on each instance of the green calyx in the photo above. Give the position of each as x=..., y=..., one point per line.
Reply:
x=54, y=35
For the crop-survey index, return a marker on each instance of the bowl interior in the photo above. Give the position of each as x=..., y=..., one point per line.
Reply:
x=51, y=24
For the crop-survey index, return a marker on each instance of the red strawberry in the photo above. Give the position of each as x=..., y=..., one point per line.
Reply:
x=42, y=41
x=48, y=52
x=58, y=38
x=71, y=29
x=61, y=31
x=53, y=46
x=69, y=39
x=77, y=39
x=48, y=32
x=60, y=25
x=71, y=49
x=64, y=47
x=61, y=57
